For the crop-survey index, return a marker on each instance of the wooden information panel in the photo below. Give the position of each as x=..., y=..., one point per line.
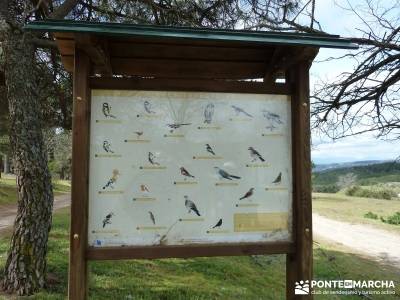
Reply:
x=183, y=168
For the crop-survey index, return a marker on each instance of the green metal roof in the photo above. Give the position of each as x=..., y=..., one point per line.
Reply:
x=150, y=31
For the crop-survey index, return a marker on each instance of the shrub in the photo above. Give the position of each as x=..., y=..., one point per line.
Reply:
x=329, y=188
x=393, y=219
x=371, y=192
x=371, y=215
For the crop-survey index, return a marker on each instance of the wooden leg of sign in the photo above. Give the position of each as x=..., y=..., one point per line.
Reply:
x=299, y=264
x=77, y=287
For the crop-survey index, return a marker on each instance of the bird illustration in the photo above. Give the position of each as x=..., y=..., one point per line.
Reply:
x=139, y=134
x=273, y=119
x=255, y=155
x=209, y=149
x=208, y=113
x=191, y=206
x=107, y=110
x=152, y=158
x=218, y=224
x=239, y=110
x=185, y=172
x=112, y=180
x=152, y=217
x=278, y=179
x=177, y=125
x=226, y=175
x=248, y=194
x=144, y=188
x=107, y=147
x=107, y=219
x=147, y=107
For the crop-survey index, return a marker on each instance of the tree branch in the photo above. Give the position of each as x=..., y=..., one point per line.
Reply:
x=63, y=10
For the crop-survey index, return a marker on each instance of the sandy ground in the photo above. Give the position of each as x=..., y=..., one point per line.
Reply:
x=8, y=212
x=366, y=240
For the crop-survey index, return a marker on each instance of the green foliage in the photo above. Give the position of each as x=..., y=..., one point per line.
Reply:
x=366, y=175
x=329, y=188
x=58, y=144
x=370, y=192
x=371, y=215
x=393, y=219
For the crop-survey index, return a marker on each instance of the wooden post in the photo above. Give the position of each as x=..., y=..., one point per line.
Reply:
x=77, y=289
x=299, y=265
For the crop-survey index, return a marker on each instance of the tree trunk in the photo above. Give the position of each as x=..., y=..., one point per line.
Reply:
x=25, y=267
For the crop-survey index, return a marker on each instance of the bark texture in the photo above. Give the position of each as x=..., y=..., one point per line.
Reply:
x=25, y=268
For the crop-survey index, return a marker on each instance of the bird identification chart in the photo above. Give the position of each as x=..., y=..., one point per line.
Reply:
x=178, y=168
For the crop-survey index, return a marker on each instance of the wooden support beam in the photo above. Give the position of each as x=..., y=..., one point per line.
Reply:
x=272, y=65
x=97, y=50
x=282, y=62
x=299, y=264
x=200, y=85
x=77, y=288
x=178, y=68
x=186, y=251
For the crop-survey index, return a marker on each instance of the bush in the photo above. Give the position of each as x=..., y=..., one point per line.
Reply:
x=370, y=192
x=393, y=219
x=371, y=215
x=328, y=188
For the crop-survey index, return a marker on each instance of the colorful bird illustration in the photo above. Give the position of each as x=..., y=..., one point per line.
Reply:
x=112, y=180
x=152, y=159
x=226, y=175
x=107, y=147
x=239, y=110
x=152, y=217
x=148, y=108
x=248, y=194
x=209, y=149
x=143, y=188
x=185, y=172
x=278, y=179
x=208, y=113
x=273, y=119
x=107, y=219
x=107, y=110
x=139, y=134
x=191, y=206
x=219, y=224
x=255, y=155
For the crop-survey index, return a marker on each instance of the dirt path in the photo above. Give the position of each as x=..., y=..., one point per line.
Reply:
x=363, y=239
x=8, y=212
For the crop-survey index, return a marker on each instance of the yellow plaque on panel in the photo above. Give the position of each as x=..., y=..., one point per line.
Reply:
x=249, y=222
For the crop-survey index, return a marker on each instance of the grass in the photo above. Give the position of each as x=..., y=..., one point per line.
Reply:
x=8, y=190
x=258, y=277
x=352, y=209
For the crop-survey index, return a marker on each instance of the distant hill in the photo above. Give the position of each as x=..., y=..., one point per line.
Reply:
x=371, y=173
x=324, y=167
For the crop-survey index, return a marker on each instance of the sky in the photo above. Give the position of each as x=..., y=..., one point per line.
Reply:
x=335, y=20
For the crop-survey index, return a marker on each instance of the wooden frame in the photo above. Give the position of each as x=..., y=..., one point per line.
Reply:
x=77, y=285
x=299, y=252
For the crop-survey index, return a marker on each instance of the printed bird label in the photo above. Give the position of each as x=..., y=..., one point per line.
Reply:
x=177, y=168
x=249, y=222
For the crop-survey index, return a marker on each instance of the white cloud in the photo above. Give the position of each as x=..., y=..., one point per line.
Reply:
x=355, y=149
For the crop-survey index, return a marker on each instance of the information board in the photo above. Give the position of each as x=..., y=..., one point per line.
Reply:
x=178, y=168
